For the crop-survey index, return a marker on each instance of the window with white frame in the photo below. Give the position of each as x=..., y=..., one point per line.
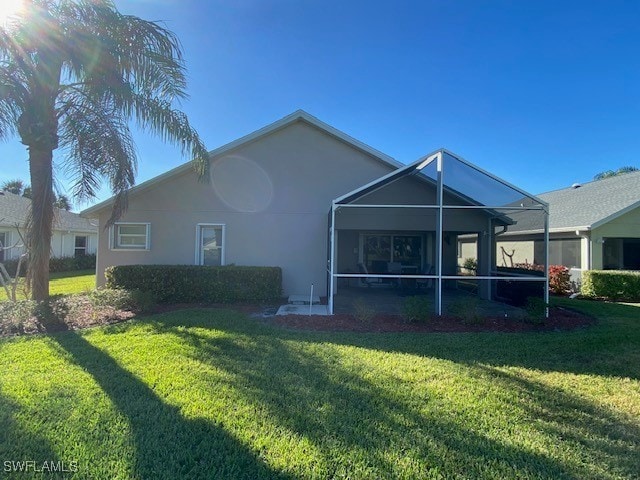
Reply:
x=210, y=244
x=130, y=236
x=81, y=243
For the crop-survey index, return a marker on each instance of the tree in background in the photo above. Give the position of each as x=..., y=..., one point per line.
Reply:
x=14, y=186
x=73, y=74
x=19, y=187
x=614, y=173
x=62, y=202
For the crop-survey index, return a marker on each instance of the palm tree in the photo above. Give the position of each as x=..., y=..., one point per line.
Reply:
x=73, y=74
x=13, y=186
x=612, y=173
x=62, y=202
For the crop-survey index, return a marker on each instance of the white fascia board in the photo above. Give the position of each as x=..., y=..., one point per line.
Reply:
x=298, y=115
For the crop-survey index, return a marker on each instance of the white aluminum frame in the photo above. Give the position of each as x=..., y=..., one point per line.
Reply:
x=199, y=258
x=438, y=277
x=113, y=241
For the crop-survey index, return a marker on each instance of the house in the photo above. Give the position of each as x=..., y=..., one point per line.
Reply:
x=72, y=234
x=323, y=206
x=592, y=226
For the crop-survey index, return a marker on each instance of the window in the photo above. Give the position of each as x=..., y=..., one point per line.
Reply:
x=210, y=244
x=130, y=236
x=565, y=251
x=80, y=245
x=379, y=250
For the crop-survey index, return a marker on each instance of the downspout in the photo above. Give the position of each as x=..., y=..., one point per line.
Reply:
x=332, y=230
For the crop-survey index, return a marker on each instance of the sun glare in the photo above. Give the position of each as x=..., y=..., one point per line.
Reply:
x=9, y=8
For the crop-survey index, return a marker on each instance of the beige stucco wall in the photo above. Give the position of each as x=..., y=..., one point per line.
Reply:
x=521, y=251
x=273, y=195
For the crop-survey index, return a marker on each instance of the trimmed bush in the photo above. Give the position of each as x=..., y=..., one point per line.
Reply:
x=194, y=283
x=611, y=285
x=132, y=300
x=56, y=264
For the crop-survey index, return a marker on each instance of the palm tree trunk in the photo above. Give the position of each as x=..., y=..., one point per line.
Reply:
x=41, y=171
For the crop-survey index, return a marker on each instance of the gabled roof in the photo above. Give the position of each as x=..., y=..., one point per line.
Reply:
x=297, y=116
x=14, y=210
x=592, y=204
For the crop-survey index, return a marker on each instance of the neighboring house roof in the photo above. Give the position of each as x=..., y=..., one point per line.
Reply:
x=14, y=210
x=297, y=116
x=592, y=204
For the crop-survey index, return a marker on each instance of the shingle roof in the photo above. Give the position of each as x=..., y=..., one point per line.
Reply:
x=593, y=203
x=14, y=210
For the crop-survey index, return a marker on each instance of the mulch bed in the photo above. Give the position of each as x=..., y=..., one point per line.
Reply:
x=560, y=319
x=83, y=315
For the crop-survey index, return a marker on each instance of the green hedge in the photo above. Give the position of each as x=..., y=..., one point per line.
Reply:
x=56, y=264
x=611, y=284
x=193, y=283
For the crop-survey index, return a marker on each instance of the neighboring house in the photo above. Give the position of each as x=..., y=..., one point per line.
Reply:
x=72, y=234
x=592, y=226
x=301, y=195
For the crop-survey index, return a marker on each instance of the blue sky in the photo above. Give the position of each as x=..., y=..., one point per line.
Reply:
x=540, y=93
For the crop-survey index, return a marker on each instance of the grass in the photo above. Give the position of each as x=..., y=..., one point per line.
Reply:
x=213, y=394
x=65, y=283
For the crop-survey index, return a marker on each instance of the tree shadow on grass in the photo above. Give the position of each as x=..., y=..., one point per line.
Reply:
x=167, y=445
x=610, y=348
x=364, y=428
x=613, y=442
x=19, y=444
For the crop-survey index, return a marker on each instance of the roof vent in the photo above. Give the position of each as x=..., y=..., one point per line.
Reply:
x=576, y=185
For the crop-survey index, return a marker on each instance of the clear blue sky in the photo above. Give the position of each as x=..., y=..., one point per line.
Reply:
x=540, y=93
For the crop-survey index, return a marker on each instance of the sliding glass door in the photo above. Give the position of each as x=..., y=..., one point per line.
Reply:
x=378, y=250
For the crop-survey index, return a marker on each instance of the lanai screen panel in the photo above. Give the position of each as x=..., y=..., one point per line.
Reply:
x=487, y=212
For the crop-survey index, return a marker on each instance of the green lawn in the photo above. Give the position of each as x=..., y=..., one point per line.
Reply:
x=66, y=283
x=213, y=394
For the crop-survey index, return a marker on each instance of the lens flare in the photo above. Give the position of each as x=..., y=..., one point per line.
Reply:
x=8, y=8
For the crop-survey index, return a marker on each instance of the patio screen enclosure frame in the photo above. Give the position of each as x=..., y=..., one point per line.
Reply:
x=474, y=189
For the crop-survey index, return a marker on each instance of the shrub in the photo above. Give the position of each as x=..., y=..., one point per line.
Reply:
x=194, y=283
x=57, y=264
x=418, y=309
x=132, y=300
x=525, y=266
x=559, y=279
x=536, y=310
x=468, y=310
x=14, y=316
x=470, y=264
x=619, y=285
x=363, y=311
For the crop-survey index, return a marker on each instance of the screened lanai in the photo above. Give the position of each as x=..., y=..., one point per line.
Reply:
x=431, y=229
